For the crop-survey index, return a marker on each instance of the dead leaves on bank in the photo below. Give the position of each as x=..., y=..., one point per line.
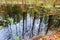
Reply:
x=55, y=36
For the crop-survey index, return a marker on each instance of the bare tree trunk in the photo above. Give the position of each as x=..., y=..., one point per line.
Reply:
x=24, y=14
x=26, y=21
x=41, y=18
x=30, y=25
x=58, y=23
x=11, y=31
x=19, y=28
x=33, y=23
x=23, y=26
x=49, y=24
x=16, y=30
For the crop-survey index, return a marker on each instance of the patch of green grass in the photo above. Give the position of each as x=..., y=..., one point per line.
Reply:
x=16, y=38
x=1, y=27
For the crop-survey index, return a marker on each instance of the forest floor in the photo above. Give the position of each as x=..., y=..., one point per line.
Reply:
x=54, y=36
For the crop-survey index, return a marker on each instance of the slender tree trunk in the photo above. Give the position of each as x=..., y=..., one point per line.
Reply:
x=10, y=29
x=41, y=18
x=23, y=26
x=33, y=23
x=30, y=25
x=58, y=23
x=19, y=28
x=15, y=20
x=49, y=24
x=26, y=21
x=16, y=30
x=24, y=14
